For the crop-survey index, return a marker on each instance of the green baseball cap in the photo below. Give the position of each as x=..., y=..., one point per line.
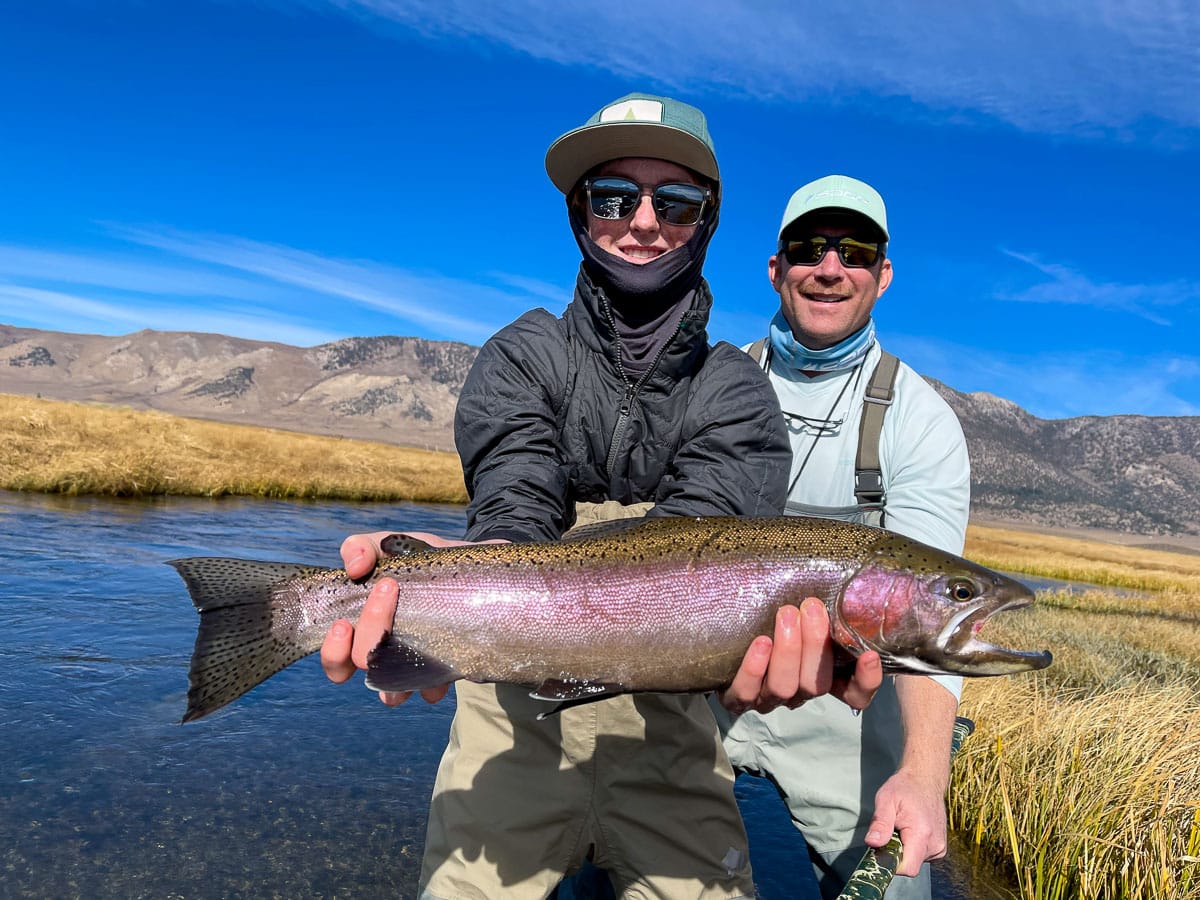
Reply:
x=837, y=192
x=635, y=125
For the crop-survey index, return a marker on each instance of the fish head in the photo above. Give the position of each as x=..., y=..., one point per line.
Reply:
x=922, y=609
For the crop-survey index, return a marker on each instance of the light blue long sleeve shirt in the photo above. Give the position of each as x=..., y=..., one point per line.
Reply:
x=825, y=761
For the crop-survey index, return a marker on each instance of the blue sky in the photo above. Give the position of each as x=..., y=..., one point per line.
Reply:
x=308, y=170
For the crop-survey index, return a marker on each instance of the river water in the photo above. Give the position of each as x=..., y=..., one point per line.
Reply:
x=300, y=789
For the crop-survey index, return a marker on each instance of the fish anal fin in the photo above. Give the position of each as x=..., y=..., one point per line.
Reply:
x=394, y=665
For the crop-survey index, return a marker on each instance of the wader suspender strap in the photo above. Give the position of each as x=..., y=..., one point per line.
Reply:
x=756, y=353
x=868, y=475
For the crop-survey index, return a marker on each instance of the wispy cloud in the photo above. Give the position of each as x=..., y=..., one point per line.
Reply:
x=553, y=294
x=140, y=275
x=16, y=300
x=165, y=278
x=1055, y=66
x=1068, y=286
x=444, y=306
x=49, y=310
x=1055, y=385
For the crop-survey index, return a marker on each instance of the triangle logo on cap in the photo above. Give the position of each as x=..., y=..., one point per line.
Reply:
x=633, y=111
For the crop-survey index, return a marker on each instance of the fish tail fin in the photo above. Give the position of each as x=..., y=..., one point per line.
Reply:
x=237, y=645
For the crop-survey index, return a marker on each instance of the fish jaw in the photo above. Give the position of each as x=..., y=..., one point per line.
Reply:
x=961, y=639
x=929, y=622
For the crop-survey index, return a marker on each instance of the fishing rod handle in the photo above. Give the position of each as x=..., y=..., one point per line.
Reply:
x=878, y=865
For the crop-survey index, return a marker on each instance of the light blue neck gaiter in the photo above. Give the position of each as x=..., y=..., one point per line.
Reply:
x=845, y=354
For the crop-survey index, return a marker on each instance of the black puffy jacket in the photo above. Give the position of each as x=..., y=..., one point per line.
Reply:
x=547, y=418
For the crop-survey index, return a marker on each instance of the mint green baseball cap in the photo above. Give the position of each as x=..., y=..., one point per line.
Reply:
x=635, y=125
x=837, y=192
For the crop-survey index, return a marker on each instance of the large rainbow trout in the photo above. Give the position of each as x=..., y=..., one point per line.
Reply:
x=661, y=604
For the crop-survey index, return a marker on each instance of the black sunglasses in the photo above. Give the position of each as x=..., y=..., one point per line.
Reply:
x=613, y=198
x=809, y=251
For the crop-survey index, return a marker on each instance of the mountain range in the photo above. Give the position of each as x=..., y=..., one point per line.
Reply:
x=1137, y=475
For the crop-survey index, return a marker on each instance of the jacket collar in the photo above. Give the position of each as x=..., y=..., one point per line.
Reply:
x=589, y=316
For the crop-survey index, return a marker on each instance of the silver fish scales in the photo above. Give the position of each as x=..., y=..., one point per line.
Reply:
x=658, y=604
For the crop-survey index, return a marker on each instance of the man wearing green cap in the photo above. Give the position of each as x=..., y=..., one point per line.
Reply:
x=619, y=399
x=872, y=442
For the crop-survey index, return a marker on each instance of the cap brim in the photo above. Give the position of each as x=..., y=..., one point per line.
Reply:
x=849, y=211
x=578, y=152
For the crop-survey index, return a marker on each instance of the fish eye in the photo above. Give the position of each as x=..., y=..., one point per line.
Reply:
x=962, y=590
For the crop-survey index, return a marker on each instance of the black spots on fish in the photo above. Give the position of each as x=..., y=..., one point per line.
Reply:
x=244, y=637
x=215, y=582
x=710, y=545
x=898, y=552
x=521, y=563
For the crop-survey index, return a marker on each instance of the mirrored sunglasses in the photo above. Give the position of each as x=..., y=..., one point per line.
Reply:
x=809, y=251
x=615, y=198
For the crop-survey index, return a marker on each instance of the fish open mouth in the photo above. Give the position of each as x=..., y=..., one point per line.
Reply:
x=971, y=655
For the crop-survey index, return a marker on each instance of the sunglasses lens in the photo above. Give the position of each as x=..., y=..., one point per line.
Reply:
x=676, y=204
x=857, y=254
x=809, y=251
x=612, y=198
x=679, y=204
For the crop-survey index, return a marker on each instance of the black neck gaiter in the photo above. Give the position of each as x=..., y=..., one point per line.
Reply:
x=647, y=300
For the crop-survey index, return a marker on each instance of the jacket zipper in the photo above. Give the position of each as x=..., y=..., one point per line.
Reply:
x=631, y=390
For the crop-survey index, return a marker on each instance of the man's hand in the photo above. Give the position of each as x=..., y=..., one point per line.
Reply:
x=913, y=801
x=798, y=664
x=346, y=645
x=918, y=811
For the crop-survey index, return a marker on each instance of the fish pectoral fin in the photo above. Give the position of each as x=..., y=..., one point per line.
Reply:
x=395, y=666
x=566, y=693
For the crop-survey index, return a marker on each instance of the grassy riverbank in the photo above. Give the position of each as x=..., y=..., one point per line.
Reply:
x=1079, y=559
x=79, y=448
x=1084, y=778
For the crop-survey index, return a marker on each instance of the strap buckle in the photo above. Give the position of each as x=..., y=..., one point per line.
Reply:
x=868, y=484
x=885, y=399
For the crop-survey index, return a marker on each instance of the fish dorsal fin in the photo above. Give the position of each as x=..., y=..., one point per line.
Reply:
x=564, y=693
x=404, y=545
x=604, y=529
x=395, y=666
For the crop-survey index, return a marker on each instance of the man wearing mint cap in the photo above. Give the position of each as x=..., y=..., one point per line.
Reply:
x=621, y=400
x=872, y=442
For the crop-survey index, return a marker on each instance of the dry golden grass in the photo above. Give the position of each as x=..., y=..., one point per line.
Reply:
x=1104, y=641
x=76, y=448
x=1086, y=776
x=1074, y=559
x=1088, y=795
